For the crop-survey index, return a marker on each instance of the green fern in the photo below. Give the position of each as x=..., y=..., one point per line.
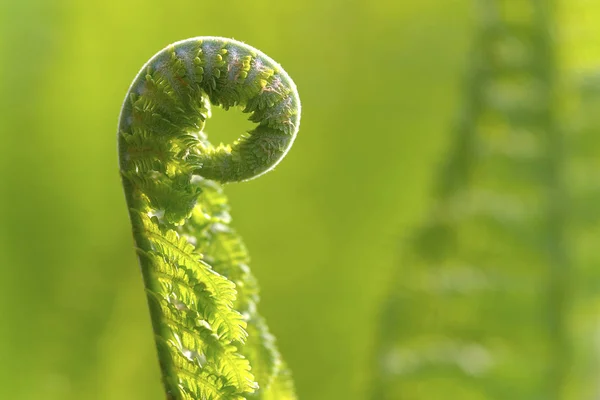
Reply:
x=584, y=229
x=212, y=343
x=478, y=311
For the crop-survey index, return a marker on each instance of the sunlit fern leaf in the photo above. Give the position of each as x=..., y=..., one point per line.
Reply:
x=201, y=294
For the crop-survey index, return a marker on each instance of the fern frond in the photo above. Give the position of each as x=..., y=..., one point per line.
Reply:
x=282, y=387
x=201, y=294
x=476, y=313
x=225, y=251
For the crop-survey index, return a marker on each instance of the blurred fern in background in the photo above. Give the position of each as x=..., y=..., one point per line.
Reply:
x=487, y=303
x=583, y=229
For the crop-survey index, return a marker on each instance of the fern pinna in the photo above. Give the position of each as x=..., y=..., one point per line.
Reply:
x=212, y=344
x=478, y=307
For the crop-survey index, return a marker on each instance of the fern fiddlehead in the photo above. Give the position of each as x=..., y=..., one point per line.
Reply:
x=212, y=344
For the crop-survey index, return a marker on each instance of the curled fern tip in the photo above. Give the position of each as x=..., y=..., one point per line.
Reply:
x=212, y=343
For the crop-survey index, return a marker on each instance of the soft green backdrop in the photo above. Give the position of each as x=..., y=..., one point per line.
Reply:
x=379, y=83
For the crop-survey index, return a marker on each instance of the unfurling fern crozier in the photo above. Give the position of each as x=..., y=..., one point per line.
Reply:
x=212, y=343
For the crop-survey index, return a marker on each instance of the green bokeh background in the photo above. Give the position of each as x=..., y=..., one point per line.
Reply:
x=379, y=82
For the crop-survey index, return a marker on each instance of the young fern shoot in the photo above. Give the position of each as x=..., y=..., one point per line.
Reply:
x=212, y=344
